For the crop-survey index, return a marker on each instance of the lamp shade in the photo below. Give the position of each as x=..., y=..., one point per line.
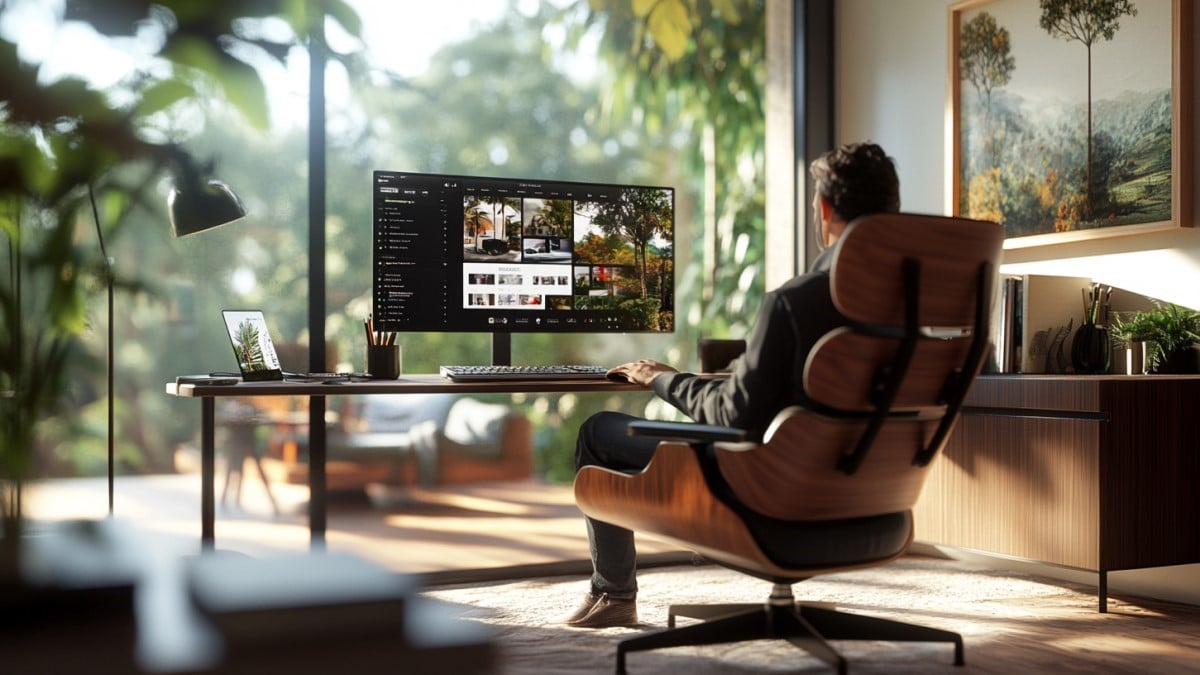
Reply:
x=203, y=207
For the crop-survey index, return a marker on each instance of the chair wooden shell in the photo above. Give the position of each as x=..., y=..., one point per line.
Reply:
x=917, y=290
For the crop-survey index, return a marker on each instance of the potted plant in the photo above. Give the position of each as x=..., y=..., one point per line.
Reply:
x=74, y=160
x=1168, y=331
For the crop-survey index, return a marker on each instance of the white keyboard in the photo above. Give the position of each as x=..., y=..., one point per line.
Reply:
x=476, y=373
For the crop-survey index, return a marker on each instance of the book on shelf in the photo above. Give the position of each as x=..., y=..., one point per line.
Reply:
x=1034, y=319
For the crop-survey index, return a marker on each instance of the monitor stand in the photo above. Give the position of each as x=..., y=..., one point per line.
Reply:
x=501, y=349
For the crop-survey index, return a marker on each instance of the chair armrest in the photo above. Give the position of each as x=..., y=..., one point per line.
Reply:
x=686, y=431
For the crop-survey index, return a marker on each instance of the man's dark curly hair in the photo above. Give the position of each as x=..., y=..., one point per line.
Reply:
x=858, y=179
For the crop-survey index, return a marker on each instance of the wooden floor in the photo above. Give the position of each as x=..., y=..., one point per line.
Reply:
x=468, y=532
x=515, y=557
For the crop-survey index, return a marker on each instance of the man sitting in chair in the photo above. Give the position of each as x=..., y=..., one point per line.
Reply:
x=854, y=180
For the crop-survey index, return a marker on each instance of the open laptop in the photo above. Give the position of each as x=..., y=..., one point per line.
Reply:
x=252, y=346
x=255, y=352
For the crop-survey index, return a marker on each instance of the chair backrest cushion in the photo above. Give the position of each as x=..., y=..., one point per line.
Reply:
x=865, y=277
x=840, y=371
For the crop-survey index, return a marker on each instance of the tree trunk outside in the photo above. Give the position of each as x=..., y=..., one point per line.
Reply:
x=710, y=212
x=1087, y=185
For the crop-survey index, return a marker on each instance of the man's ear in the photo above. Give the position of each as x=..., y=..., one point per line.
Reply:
x=826, y=208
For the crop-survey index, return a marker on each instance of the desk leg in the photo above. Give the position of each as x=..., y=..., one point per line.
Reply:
x=316, y=472
x=208, y=470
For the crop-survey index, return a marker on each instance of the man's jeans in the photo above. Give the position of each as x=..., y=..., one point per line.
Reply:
x=604, y=441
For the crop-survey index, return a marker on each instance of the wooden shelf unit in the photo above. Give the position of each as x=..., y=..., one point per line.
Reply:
x=1097, y=473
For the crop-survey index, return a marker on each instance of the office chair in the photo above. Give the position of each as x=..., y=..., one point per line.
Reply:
x=831, y=487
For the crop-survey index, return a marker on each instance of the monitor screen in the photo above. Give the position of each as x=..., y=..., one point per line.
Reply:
x=477, y=254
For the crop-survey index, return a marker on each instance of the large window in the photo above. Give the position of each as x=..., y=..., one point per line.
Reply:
x=552, y=89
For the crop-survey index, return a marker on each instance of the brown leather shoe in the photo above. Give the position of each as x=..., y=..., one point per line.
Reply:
x=605, y=612
x=589, y=602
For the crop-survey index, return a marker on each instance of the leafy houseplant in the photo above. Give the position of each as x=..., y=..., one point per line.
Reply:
x=73, y=158
x=1171, y=329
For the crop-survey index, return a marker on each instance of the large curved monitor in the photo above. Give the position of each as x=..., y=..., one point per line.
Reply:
x=507, y=255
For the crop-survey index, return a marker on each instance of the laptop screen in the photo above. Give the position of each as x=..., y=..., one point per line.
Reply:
x=252, y=346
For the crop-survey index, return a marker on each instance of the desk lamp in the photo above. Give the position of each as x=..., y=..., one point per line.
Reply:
x=203, y=207
x=199, y=208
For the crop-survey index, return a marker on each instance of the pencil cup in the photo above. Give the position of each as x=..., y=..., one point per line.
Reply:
x=383, y=361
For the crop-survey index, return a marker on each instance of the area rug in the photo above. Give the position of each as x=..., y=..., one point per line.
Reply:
x=1010, y=623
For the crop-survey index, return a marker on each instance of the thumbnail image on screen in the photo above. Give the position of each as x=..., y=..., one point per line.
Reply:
x=460, y=253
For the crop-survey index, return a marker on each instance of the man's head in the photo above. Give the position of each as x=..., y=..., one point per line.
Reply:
x=853, y=180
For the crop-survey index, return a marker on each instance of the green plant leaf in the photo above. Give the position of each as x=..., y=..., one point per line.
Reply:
x=728, y=10
x=246, y=91
x=1168, y=326
x=238, y=81
x=37, y=170
x=72, y=97
x=162, y=95
x=345, y=15
x=641, y=8
x=8, y=225
x=113, y=205
x=670, y=28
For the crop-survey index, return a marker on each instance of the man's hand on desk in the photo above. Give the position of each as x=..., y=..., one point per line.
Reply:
x=642, y=371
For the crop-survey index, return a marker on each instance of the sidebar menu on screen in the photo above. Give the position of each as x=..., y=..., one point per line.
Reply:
x=412, y=247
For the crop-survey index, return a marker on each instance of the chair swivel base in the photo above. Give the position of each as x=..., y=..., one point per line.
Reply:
x=805, y=626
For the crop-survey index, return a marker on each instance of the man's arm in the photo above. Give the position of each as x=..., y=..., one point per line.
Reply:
x=749, y=396
x=767, y=378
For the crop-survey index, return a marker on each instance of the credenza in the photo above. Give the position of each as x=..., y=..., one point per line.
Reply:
x=1097, y=473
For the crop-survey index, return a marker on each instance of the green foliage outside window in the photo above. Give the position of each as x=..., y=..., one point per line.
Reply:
x=75, y=162
x=678, y=102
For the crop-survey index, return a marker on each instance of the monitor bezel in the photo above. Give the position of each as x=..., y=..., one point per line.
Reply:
x=513, y=326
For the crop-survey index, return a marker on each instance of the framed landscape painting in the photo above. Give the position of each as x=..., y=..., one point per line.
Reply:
x=1071, y=120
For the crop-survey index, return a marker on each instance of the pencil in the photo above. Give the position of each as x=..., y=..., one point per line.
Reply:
x=367, y=328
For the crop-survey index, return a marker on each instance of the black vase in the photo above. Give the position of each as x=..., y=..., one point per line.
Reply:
x=1091, y=349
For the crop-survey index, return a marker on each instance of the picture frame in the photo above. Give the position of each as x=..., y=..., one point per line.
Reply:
x=1056, y=157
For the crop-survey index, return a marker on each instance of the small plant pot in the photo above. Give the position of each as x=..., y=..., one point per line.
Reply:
x=1134, y=358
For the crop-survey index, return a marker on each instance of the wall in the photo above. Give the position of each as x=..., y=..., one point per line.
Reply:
x=891, y=83
x=892, y=88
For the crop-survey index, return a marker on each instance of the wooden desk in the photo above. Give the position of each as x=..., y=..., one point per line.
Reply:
x=1096, y=473
x=317, y=393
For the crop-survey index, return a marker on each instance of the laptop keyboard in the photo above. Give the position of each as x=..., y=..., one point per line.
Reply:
x=563, y=372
